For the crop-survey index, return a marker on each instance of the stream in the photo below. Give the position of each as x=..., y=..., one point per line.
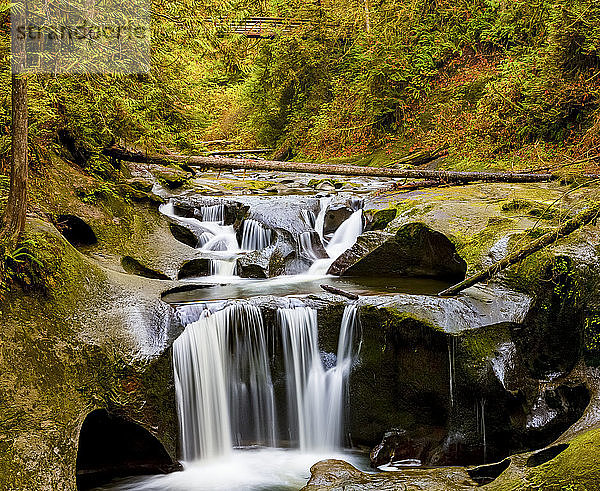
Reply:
x=258, y=403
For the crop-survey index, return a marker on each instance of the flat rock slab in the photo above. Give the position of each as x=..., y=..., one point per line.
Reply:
x=339, y=475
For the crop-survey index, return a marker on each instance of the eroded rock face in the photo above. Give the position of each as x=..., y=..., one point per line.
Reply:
x=279, y=258
x=184, y=235
x=133, y=266
x=255, y=264
x=414, y=250
x=194, y=268
x=112, y=446
x=94, y=339
x=336, y=214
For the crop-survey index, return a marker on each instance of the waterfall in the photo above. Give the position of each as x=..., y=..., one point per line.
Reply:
x=306, y=247
x=451, y=367
x=254, y=236
x=213, y=213
x=480, y=420
x=343, y=238
x=211, y=233
x=320, y=220
x=316, y=395
x=223, y=382
x=221, y=267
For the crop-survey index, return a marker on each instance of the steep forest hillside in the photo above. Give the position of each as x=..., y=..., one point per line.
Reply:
x=505, y=84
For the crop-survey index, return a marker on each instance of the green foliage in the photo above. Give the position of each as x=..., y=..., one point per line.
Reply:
x=484, y=77
x=22, y=267
x=591, y=339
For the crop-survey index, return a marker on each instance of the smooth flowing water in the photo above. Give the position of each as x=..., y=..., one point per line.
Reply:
x=316, y=393
x=225, y=399
x=343, y=238
x=254, y=235
x=224, y=359
x=223, y=383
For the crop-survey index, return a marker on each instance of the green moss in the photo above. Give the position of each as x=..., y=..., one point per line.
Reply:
x=473, y=248
x=576, y=468
x=247, y=184
x=171, y=177
x=381, y=218
x=532, y=208
x=591, y=339
x=480, y=344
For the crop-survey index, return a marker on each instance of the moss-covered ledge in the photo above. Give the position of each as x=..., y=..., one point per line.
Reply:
x=81, y=338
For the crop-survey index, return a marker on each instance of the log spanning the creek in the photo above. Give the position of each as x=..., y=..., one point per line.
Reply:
x=329, y=169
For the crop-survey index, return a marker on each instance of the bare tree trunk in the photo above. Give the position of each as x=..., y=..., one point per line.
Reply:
x=13, y=218
x=312, y=168
x=367, y=16
x=567, y=228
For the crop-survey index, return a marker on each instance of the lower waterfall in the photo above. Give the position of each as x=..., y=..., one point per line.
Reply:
x=224, y=388
x=316, y=393
x=223, y=383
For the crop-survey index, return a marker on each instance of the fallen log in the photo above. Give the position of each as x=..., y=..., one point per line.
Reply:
x=216, y=142
x=329, y=169
x=545, y=240
x=429, y=183
x=337, y=291
x=241, y=152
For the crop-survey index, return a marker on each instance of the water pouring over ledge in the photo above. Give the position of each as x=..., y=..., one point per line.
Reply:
x=221, y=367
x=224, y=386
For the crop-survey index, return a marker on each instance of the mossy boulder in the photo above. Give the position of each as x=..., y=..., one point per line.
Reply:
x=414, y=250
x=573, y=467
x=90, y=338
x=171, y=177
x=380, y=219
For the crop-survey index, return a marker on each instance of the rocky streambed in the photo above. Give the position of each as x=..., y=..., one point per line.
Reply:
x=492, y=387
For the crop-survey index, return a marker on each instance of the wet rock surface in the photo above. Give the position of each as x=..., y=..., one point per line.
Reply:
x=337, y=475
x=462, y=379
x=183, y=235
x=335, y=215
x=414, y=250
x=194, y=268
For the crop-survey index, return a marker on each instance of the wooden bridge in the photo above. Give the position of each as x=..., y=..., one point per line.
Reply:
x=262, y=27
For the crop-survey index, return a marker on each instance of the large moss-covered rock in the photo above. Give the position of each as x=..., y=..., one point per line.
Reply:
x=414, y=250
x=170, y=176
x=84, y=337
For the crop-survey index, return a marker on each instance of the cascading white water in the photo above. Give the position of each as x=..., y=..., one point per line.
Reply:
x=212, y=235
x=343, y=238
x=223, y=383
x=306, y=246
x=221, y=267
x=213, y=213
x=254, y=235
x=451, y=367
x=315, y=394
x=320, y=220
